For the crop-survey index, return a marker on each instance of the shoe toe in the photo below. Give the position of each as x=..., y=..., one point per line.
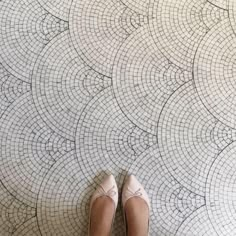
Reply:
x=109, y=186
x=133, y=185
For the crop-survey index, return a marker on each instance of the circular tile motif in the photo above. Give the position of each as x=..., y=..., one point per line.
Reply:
x=64, y=197
x=232, y=14
x=220, y=3
x=212, y=15
x=102, y=28
x=11, y=89
x=62, y=205
x=63, y=84
x=29, y=228
x=28, y=149
x=177, y=28
x=58, y=8
x=140, y=7
x=143, y=79
x=92, y=87
x=221, y=194
x=171, y=203
x=26, y=31
x=215, y=71
x=105, y=139
x=186, y=138
x=197, y=224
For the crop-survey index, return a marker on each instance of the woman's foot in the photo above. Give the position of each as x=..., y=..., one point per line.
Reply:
x=102, y=207
x=136, y=207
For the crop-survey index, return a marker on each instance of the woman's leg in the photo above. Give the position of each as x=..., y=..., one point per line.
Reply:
x=137, y=216
x=101, y=216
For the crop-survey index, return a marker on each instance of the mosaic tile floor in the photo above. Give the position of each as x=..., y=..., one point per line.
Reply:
x=90, y=87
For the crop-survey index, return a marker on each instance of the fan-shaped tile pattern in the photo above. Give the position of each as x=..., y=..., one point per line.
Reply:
x=178, y=27
x=186, y=138
x=13, y=213
x=220, y=194
x=28, y=149
x=11, y=88
x=140, y=7
x=58, y=8
x=171, y=203
x=63, y=199
x=215, y=71
x=232, y=14
x=27, y=28
x=103, y=26
x=93, y=87
x=212, y=15
x=220, y=3
x=29, y=228
x=197, y=224
x=143, y=79
x=63, y=84
x=106, y=139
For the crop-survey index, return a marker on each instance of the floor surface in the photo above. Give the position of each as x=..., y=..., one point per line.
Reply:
x=91, y=87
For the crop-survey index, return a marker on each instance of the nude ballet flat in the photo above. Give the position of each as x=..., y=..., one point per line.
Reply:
x=132, y=188
x=107, y=188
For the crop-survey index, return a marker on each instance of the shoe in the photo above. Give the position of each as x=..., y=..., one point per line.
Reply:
x=132, y=188
x=107, y=188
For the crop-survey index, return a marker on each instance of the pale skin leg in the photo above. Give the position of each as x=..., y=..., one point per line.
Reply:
x=102, y=213
x=137, y=215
